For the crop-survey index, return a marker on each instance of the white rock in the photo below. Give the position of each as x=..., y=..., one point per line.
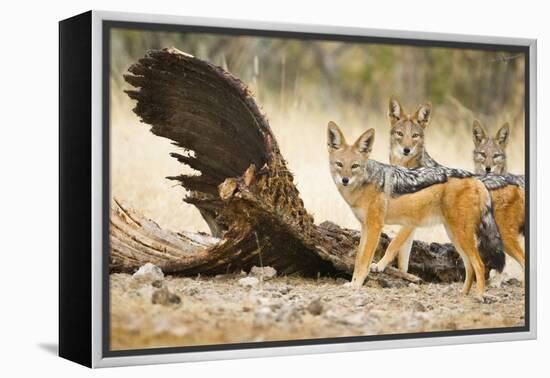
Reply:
x=266, y=273
x=148, y=273
x=361, y=302
x=356, y=319
x=179, y=331
x=248, y=282
x=264, y=310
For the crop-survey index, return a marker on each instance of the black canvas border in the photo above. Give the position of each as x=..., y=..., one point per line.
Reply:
x=108, y=25
x=75, y=189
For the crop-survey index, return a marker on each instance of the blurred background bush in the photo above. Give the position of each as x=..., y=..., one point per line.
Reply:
x=307, y=74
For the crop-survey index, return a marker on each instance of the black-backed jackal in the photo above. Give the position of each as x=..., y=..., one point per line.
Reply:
x=380, y=194
x=407, y=149
x=490, y=153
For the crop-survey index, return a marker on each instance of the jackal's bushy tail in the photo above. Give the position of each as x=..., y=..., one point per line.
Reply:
x=488, y=238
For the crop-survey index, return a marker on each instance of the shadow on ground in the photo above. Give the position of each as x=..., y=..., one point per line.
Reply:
x=51, y=348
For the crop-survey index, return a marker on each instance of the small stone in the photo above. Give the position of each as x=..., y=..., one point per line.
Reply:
x=284, y=290
x=165, y=297
x=192, y=291
x=513, y=282
x=158, y=284
x=148, y=273
x=362, y=302
x=315, y=307
x=358, y=300
x=486, y=298
x=264, y=310
x=179, y=330
x=355, y=319
x=369, y=283
x=266, y=273
x=248, y=282
x=263, y=317
x=448, y=290
x=419, y=307
x=263, y=301
x=161, y=324
x=384, y=283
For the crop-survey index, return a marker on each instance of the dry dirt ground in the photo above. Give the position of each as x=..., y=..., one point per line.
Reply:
x=180, y=311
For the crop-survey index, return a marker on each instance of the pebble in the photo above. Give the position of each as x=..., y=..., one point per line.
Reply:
x=192, y=291
x=264, y=310
x=513, y=282
x=315, y=307
x=419, y=307
x=266, y=273
x=158, y=284
x=355, y=319
x=249, y=282
x=148, y=273
x=383, y=283
x=165, y=297
x=285, y=290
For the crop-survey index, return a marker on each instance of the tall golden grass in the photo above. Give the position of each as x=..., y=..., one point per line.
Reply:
x=140, y=161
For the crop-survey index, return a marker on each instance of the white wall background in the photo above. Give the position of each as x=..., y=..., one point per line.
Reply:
x=28, y=200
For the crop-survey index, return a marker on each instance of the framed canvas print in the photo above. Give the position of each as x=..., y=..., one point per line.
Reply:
x=232, y=189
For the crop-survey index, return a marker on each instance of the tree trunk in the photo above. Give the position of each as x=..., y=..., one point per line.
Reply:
x=245, y=191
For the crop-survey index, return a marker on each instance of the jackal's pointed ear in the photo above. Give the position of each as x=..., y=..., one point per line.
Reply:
x=335, y=137
x=478, y=132
x=503, y=134
x=423, y=114
x=365, y=142
x=395, y=110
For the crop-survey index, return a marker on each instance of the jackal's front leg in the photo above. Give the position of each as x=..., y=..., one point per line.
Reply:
x=397, y=242
x=370, y=236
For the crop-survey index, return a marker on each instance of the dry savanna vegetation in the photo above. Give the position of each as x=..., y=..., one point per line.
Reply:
x=302, y=85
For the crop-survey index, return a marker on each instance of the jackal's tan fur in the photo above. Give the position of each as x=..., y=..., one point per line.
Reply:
x=456, y=203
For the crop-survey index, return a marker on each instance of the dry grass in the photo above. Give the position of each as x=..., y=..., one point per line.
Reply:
x=140, y=160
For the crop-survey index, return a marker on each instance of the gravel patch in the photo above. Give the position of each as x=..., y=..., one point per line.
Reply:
x=182, y=311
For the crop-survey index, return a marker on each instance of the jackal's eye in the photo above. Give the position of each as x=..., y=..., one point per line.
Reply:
x=497, y=156
x=482, y=154
x=339, y=164
x=399, y=134
x=354, y=166
x=416, y=135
